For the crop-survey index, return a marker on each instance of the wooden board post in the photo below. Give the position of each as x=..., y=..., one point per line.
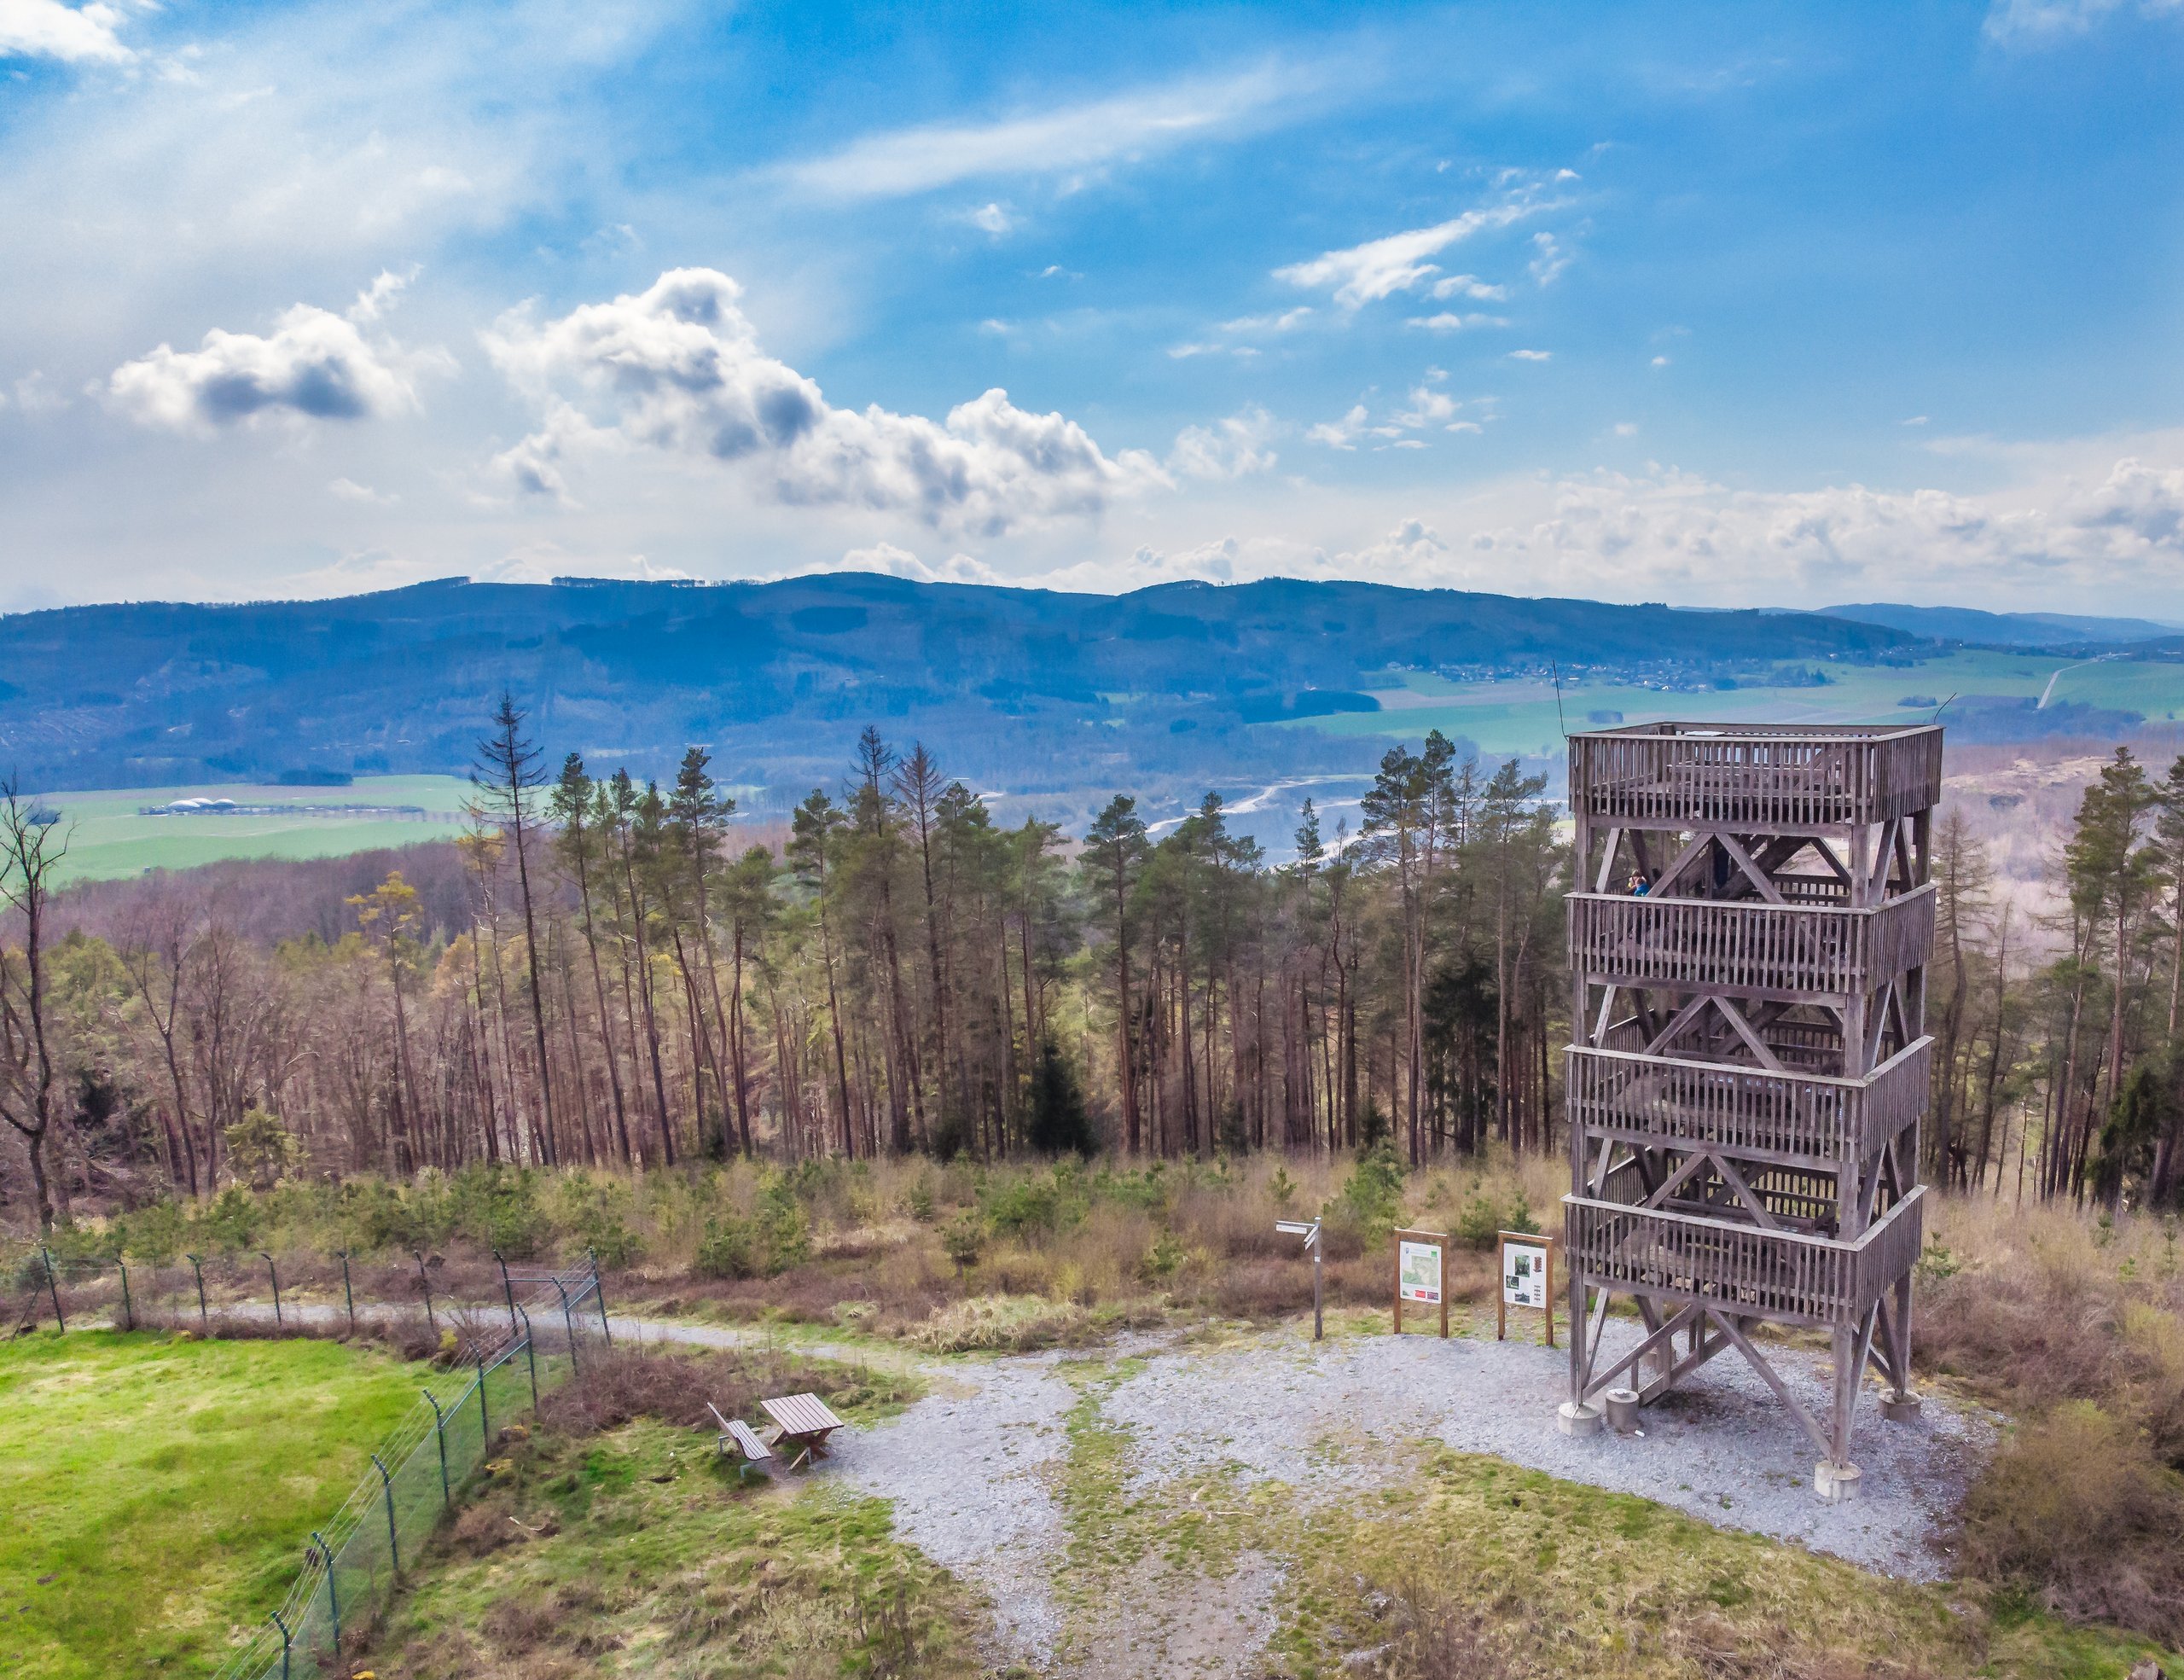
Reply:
x=1427, y=1280
x=1531, y=1284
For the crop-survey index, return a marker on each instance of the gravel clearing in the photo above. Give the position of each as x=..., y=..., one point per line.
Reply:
x=1721, y=1450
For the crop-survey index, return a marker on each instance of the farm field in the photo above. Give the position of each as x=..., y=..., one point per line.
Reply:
x=160, y=1490
x=109, y=839
x=1521, y=716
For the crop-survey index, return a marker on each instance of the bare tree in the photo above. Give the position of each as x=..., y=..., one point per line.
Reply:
x=507, y=778
x=31, y=849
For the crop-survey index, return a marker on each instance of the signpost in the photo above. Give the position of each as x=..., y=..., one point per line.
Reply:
x=1310, y=1233
x=1527, y=1270
x=1421, y=1273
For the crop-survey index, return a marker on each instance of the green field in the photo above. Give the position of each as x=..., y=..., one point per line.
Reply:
x=1521, y=716
x=107, y=838
x=159, y=1492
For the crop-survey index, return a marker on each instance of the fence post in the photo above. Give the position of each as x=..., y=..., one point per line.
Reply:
x=508, y=1289
x=272, y=1272
x=332, y=1593
x=348, y=1294
x=439, y=1428
x=128, y=1306
x=53, y=1289
x=568, y=1328
x=286, y=1640
x=387, y=1486
x=425, y=1283
x=599, y=1290
x=531, y=1354
x=485, y=1418
x=204, y=1319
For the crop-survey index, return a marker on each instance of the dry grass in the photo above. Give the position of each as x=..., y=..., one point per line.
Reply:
x=2077, y=1327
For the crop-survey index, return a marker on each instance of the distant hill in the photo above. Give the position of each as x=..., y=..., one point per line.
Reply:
x=1017, y=688
x=2002, y=630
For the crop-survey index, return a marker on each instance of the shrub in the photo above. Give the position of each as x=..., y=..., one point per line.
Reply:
x=1001, y=1323
x=260, y=1148
x=729, y=1247
x=1371, y=1198
x=784, y=1234
x=2076, y=1512
x=964, y=1239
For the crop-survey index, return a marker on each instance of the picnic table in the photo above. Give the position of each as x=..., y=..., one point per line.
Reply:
x=804, y=1423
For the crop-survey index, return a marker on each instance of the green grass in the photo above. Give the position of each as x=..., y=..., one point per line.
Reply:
x=159, y=1490
x=1521, y=715
x=108, y=839
x=638, y=1552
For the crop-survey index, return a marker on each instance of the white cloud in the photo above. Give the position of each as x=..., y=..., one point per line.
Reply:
x=906, y=161
x=1428, y=407
x=315, y=364
x=1288, y=322
x=1468, y=286
x=348, y=490
x=34, y=396
x=1548, y=259
x=1531, y=356
x=1660, y=362
x=1676, y=535
x=1341, y=434
x=894, y=563
x=2036, y=22
x=678, y=368
x=993, y=218
x=1217, y=561
x=1449, y=322
x=71, y=34
x=1626, y=429
x=1235, y=448
x=1381, y=268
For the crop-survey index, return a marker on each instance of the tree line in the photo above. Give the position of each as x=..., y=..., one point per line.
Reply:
x=631, y=987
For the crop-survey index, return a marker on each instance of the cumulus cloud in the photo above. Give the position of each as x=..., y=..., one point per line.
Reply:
x=678, y=368
x=314, y=364
x=1535, y=356
x=1381, y=268
x=1233, y=448
x=71, y=34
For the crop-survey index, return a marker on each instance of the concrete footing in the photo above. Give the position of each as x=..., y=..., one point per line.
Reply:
x=1572, y=1419
x=1900, y=1408
x=1836, y=1484
x=1621, y=1407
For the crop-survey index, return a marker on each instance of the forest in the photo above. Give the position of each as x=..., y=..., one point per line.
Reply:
x=605, y=972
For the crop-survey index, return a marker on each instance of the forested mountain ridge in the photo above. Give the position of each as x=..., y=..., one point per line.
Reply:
x=1009, y=683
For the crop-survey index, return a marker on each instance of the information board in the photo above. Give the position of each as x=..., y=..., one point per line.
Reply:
x=1421, y=1271
x=1523, y=1275
x=1527, y=1279
x=1418, y=1273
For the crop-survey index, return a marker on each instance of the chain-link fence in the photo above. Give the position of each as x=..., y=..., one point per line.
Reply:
x=356, y=1559
x=517, y=1334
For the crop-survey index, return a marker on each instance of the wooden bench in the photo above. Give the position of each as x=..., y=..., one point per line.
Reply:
x=736, y=1433
x=804, y=1423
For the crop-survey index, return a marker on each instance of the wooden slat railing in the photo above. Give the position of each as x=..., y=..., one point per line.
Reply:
x=1747, y=1112
x=1761, y=950
x=1784, y=1275
x=1719, y=774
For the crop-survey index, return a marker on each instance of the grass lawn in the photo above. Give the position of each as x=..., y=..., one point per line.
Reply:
x=158, y=1492
x=108, y=838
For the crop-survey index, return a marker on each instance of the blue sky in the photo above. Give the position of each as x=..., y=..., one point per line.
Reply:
x=1719, y=305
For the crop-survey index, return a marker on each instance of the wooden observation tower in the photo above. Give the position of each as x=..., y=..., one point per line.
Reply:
x=1749, y=1058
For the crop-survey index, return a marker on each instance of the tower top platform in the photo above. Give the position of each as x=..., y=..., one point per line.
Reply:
x=1771, y=776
